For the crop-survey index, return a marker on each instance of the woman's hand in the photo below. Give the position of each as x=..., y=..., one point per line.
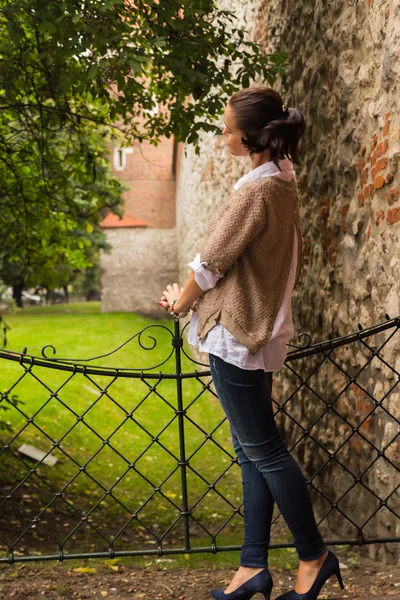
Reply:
x=185, y=296
x=169, y=294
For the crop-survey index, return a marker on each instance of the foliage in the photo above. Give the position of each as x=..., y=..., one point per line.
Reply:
x=103, y=60
x=53, y=186
x=73, y=72
x=13, y=401
x=87, y=283
x=6, y=304
x=3, y=329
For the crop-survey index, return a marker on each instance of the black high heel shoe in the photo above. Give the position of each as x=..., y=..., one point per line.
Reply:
x=329, y=567
x=259, y=583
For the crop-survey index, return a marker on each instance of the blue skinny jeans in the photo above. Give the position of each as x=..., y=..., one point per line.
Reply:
x=269, y=472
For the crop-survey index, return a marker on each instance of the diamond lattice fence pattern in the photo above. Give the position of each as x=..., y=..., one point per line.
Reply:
x=144, y=456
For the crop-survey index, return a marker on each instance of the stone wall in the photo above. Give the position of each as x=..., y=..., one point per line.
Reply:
x=343, y=75
x=142, y=262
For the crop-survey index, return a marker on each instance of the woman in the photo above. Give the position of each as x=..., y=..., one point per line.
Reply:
x=240, y=293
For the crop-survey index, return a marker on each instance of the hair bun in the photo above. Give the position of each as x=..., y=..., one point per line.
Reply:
x=266, y=122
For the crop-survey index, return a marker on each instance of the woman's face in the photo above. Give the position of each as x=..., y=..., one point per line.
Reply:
x=232, y=134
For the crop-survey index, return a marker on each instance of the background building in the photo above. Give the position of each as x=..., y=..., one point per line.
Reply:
x=144, y=249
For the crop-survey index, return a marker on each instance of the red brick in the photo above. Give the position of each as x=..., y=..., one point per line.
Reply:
x=389, y=177
x=380, y=165
x=325, y=202
x=355, y=443
x=364, y=176
x=369, y=231
x=306, y=249
x=344, y=210
x=364, y=406
x=386, y=128
x=382, y=148
x=379, y=182
x=361, y=164
x=357, y=390
x=332, y=248
x=393, y=215
x=324, y=210
x=360, y=199
x=366, y=425
x=392, y=195
x=374, y=142
x=366, y=192
x=378, y=216
x=387, y=116
x=371, y=190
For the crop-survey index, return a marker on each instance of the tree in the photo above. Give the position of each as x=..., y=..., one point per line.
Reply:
x=51, y=205
x=129, y=56
x=72, y=72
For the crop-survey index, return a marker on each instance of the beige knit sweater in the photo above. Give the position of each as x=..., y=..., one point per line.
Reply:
x=250, y=241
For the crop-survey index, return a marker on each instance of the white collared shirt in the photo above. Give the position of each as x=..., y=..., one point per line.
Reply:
x=219, y=340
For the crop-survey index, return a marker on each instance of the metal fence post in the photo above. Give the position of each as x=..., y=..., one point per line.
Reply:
x=177, y=342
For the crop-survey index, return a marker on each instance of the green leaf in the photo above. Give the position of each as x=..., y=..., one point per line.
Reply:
x=135, y=64
x=92, y=71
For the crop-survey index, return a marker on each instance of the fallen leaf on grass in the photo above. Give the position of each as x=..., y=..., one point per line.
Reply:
x=85, y=570
x=111, y=561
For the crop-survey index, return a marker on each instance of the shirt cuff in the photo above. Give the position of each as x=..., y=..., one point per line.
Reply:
x=204, y=278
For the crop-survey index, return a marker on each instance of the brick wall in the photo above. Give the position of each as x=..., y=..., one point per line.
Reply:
x=143, y=259
x=147, y=170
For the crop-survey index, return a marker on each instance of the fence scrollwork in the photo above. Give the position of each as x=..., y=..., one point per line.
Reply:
x=332, y=397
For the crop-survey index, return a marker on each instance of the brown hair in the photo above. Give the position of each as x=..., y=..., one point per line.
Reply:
x=259, y=113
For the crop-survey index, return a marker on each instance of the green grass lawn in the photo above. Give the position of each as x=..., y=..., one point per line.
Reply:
x=55, y=399
x=81, y=411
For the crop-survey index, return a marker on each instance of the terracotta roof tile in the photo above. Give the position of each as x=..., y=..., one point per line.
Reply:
x=113, y=221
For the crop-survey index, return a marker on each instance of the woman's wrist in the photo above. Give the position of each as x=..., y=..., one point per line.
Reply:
x=177, y=309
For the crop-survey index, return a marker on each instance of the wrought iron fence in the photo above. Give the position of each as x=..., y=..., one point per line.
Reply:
x=144, y=460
